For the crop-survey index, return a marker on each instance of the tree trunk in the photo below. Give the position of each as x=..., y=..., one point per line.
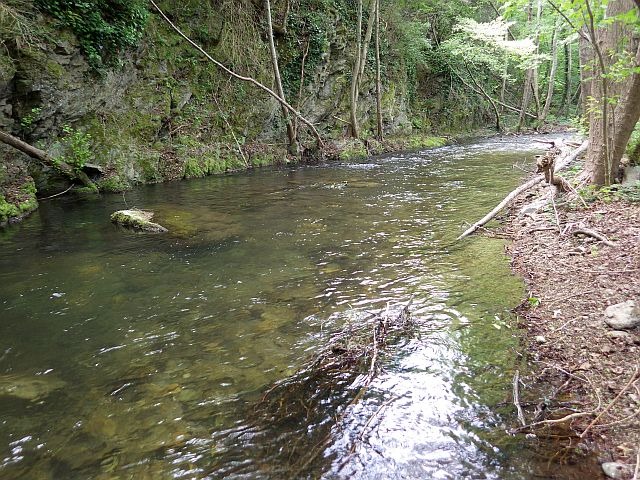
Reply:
x=355, y=73
x=586, y=72
x=611, y=125
x=526, y=98
x=291, y=135
x=566, y=97
x=367, y=39
x=528, y=81
x=378, y=79
x=552, y=73
x=45, y=158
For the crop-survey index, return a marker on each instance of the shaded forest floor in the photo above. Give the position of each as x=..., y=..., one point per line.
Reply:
x=580, y=365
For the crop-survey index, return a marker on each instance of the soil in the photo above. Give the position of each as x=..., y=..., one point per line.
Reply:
x=582, y=368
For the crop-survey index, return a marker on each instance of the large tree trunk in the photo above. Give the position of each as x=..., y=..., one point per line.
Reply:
x=291, y=134
x=45, y=158
x=611, y=124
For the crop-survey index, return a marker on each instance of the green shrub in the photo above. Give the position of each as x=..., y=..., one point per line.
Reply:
x=103, y=27
x=77, y=148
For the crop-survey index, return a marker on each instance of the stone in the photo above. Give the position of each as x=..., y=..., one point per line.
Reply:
x=137, y=220
x=541, y=339
x=620, y=335
x=631, y=176
x=623, y=316
x=29, y=388
x=533, y=207
x=616, y=470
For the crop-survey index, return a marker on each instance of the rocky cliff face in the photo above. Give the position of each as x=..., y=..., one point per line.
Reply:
x=163, y=113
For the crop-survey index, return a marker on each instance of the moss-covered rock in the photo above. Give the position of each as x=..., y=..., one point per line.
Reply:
x=137, y=220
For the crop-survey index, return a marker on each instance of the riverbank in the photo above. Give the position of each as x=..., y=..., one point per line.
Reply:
x=20, y=192
x=586, y=370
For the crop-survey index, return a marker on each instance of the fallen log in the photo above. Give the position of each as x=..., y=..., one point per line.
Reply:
x=47, y=159
x=559, y=165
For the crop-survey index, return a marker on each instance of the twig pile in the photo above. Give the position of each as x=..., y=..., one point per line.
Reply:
x=302, y=411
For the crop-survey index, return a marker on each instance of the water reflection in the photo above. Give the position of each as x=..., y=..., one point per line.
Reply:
x=133, y=356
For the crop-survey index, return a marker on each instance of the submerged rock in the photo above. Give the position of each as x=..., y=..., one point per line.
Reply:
x=623, y=316
x=137, y=220
x=29, y=388
x=617, y=471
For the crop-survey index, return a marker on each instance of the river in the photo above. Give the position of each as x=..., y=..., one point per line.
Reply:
x=134, y=356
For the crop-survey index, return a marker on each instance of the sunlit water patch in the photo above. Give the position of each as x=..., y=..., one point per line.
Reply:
x=125, y=355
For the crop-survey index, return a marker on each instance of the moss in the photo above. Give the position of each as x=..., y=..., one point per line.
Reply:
x=419, y=141
x=194, y=169
x=7, y=210
x=113, y=183
x=137, y=220
x=352, y=150
x=54, y=69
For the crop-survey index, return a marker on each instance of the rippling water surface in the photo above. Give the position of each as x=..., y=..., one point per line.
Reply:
x=145, y=357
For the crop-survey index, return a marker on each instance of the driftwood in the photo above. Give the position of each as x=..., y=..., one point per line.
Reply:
x=45, y=158
x=592, y=233
x=559, y=165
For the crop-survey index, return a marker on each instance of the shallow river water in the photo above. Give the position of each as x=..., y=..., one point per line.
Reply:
x=133, y=356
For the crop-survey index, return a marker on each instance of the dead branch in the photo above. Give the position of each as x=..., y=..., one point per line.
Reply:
x=47, y=159
x=516, y=398
x=523, y=188
x=631, y=381
x=592, y=233
x=554, y=421
x=251, y=80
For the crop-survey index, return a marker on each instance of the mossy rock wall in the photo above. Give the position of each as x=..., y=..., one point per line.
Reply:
x=163, y=113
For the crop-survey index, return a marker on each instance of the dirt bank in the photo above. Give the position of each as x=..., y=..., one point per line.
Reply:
x=587, y=371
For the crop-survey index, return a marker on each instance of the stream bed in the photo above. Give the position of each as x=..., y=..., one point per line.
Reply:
x=135, y=356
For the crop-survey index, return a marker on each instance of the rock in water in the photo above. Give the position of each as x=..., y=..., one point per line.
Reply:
x=623, y=316
x=617, y=471
x=137, y=220
x=29, y=388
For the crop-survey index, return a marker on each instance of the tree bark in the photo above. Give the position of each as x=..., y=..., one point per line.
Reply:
x=291, y=134
x=45, y=158
x=611, y=124
x=378, y=79
x=586, y=72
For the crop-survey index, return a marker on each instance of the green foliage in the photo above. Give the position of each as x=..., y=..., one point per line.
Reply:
x=611, y=193
x=533, y=302
x=7, y=210
x=77, y=148
x=31, y=117
x=103, y=27
x=113, y=183
x=307, y=41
